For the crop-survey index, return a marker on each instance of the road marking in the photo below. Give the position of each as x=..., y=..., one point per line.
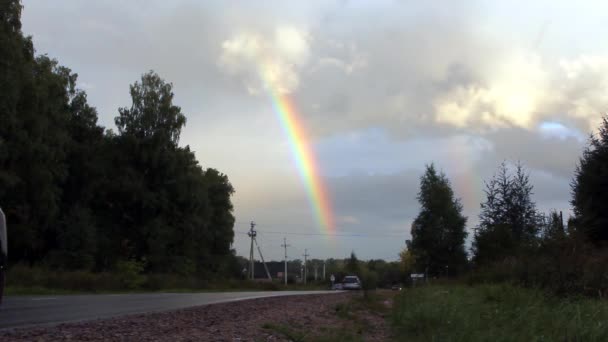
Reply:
x=45, y=298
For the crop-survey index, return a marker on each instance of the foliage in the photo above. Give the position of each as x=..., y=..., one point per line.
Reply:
x=407, y=261
x=495, y=313
x=79, y=197
x=130, y=273
x=352, y=265
x=438, y=232
x=508, y=220
x=590, y=188
x=369, y=282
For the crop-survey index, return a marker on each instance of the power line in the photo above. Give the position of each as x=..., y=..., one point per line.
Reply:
x=327, y=234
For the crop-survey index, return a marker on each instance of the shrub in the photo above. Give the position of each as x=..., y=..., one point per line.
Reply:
x=369, y=280
x=130, y=273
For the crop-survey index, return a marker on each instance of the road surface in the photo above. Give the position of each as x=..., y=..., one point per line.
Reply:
x=26, y=311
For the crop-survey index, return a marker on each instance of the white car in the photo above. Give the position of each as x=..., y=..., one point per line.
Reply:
x=351, y=283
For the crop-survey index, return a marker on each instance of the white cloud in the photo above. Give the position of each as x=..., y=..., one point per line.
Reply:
x=267, y=61
x=525, y=90
x=515, y=91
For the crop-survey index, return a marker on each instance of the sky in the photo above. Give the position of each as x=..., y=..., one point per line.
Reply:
x=381, y=89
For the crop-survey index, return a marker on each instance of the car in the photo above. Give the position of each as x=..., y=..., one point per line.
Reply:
x=397, y=287
x=351, y=283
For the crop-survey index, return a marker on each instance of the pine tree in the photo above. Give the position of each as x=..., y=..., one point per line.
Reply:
x=508, y=218
x=438, y=232
x=590, y=188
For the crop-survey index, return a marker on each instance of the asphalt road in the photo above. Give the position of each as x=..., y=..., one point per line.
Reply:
x=25, y=311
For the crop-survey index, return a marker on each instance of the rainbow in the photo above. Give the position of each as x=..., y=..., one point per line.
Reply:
x=303, y=155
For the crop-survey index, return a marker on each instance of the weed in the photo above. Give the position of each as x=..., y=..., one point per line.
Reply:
x=496, y=313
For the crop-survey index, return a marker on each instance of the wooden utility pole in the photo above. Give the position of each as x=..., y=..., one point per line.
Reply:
x=285, y=245
x=306, y=255
x=252, y=233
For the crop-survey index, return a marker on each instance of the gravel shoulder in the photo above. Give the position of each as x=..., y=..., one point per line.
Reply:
x=265, y=319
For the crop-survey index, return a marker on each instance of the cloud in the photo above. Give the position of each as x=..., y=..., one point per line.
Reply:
x=525, y=90
x=463, y=84
x=267, y=61
x=509, y=96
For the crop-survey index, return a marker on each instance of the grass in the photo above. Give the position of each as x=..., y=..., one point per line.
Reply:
x=22, y=280
x=496, y=313
x=16, y=290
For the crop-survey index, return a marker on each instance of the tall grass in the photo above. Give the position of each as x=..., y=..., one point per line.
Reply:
x=496, y=313
x=38, y=280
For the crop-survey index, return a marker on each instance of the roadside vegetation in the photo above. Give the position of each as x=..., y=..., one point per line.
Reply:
x=80, y=197
x=41, y=281
x=496, y=313
x=514, y=242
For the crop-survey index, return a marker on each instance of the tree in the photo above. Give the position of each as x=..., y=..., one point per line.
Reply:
x=590, y=188
x=34, y=111
x=152, y=113
x=438, y=232
x=508, y=219
x=554, y=226
x=79, y=197
x=407, y=261
x=352, y=264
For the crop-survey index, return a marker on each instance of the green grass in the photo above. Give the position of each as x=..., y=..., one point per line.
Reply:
x=496, y=313
x=23, y=280
x=16, y=290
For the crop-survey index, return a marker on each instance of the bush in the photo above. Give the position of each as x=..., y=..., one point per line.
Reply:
x=566, y=266
x=130, y=273
x=22, y=276
x=369, y=280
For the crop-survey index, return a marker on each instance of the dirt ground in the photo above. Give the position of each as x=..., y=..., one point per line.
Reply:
x=292, y=318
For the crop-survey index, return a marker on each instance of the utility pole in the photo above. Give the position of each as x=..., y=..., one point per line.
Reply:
x=306, y=255
x=285, y=245
x=252, y=233
x=316, y=266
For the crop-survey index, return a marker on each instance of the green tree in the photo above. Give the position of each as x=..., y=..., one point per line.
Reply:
x=34, y=101
x=152, y=113
x=554, y=226
x=590, y=188
x=438, y=232
x=79, y=197
x=352, y=264
x=406, y=261
x=508, y=219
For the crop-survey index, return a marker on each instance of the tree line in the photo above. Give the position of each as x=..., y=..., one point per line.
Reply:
x=80, y=196
x=514, y=241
